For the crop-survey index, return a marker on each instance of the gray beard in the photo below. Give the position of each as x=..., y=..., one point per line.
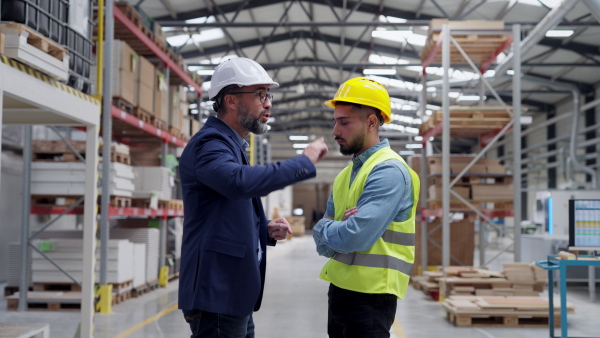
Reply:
x=251, y=124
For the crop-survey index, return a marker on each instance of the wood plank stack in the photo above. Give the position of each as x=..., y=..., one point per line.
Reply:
x=497, y=311
x=478, y=47
x=467, y=121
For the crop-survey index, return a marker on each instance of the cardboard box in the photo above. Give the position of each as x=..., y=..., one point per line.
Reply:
x=435, y=192
x=123, y=85
x=492, y=191
x=1, y=43
x=161, y=103
x=186, y=125
x=146, y=98
x=146, y=74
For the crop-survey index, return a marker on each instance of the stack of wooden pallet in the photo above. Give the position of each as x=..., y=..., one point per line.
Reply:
x=469, y=121
x=501, y=311
x=517, y=279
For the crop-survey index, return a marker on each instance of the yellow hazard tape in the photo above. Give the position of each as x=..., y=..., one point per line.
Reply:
x=45, y=78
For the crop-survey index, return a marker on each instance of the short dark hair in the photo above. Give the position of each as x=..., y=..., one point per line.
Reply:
x=218, y=104
x=361, y=106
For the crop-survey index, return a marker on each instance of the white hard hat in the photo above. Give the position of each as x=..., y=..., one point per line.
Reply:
x=241, y=72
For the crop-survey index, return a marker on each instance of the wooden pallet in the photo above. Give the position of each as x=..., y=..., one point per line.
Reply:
x=469, y=121
x=120, y=201
x=36, y=39
x=56, y=157
x=500, y=320
x=47, y=301
x=130, y=12
x=479, y=47
x=39, y=286
x=160, y=124
x=122, y=104
x=143, y=115
x=54, y=200
x=174, y=131
x=121, y=297
x=120, y=158
x=144, y=288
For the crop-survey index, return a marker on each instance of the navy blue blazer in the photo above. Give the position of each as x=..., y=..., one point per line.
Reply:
x=224, y=219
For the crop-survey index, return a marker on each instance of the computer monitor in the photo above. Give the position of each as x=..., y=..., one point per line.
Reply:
x=584, y=224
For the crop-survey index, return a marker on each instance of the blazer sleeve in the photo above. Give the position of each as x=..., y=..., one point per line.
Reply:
x=217, y=165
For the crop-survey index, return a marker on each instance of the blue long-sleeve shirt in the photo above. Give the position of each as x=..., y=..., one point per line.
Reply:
x=387, y=197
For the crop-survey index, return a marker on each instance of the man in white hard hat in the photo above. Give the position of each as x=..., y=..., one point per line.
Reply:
x=223, y=254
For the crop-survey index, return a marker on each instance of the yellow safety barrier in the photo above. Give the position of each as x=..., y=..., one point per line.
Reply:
x=163, y=277
x=104, y=296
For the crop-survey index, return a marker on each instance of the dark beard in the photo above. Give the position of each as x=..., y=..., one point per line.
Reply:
x=251, y=124
x=355, y=146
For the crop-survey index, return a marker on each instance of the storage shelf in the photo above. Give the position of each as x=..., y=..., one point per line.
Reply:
x=112, y=211
x=489, y=213
x=131, y=129
x=126, y=30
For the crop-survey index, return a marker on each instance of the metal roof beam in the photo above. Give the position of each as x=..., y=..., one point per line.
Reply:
x=365, y=8
x=303, y=34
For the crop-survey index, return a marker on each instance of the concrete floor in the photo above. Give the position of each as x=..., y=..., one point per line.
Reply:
x=294, y=306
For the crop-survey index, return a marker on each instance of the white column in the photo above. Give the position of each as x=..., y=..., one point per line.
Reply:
x=90, y=226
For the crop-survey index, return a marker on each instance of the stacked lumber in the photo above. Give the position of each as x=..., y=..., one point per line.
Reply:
x=501, y=311
x=467, y=121
x=479, y=47
x=517, y=279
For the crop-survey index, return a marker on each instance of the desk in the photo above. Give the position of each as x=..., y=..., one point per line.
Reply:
x=553, y=263
x=24, y=330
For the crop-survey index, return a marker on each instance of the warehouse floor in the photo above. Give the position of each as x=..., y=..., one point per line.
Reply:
x=294, y=306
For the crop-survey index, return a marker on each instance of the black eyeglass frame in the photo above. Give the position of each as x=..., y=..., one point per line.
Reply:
x=258, y=92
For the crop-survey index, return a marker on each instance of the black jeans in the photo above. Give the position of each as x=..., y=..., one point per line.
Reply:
x=360, y=315
x=214, y=325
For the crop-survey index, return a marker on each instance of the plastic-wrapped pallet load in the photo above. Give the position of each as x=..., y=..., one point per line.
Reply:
x=153, y=181
x=68, y=178
x=148, y=236
x=66, y=253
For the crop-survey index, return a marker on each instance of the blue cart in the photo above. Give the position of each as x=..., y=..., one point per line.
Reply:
x=553, y=263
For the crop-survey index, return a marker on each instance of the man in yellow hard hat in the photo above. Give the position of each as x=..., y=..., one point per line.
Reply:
x=368, y=230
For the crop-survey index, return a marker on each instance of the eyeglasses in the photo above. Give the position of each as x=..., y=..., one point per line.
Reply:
x=263, y=95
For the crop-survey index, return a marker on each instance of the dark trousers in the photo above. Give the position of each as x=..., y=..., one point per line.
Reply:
x=213, y=325
x=359, y=315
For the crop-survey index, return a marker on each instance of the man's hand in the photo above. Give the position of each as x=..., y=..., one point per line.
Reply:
x=316, y=150
x=279, y=228
x=349, y=212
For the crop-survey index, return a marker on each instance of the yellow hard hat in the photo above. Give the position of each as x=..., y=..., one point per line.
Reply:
x=367, y=92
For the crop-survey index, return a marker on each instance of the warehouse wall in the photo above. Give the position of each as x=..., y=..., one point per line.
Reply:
x=537, y=177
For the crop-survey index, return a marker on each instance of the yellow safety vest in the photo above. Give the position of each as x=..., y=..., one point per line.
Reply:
x=386, y=266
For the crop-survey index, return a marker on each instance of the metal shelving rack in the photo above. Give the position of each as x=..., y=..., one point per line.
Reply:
x=114, y=115
x=33, y=98
x=28, y=97
x=443, y=44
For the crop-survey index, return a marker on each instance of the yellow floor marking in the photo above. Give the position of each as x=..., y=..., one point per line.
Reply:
x=146, y=322
x=397, y=329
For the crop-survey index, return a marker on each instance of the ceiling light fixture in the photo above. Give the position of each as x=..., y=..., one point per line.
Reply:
x=375, y=71
x=300, y=145
x=298, y=138
x=559, y=33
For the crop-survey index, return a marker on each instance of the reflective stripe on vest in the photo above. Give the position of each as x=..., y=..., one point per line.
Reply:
x=400, y=238
x=374, y=261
